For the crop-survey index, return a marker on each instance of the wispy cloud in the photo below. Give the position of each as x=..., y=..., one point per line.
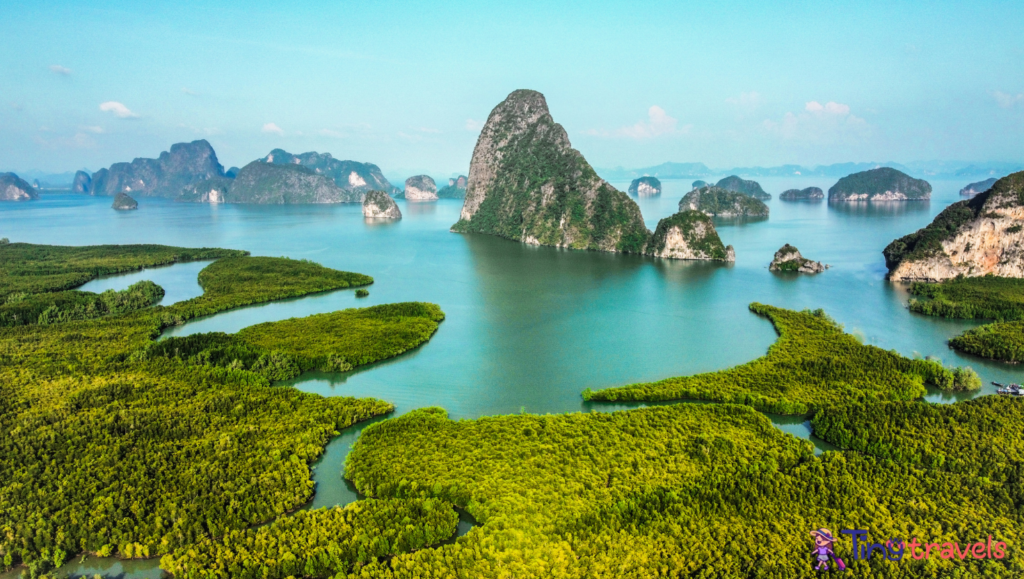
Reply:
x=118, y=109
x=96, y=129
x=658, y=123
x=189, y=92
x=820, y=123
x=332, y=133
x=747, y=102
x=273, y=129
x=474, y=126
x=61, y=70
x=1006, y=100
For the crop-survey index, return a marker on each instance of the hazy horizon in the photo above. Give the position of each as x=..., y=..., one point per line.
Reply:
x=407, y=87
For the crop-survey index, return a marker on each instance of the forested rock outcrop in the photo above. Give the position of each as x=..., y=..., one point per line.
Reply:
x=808, y=193
x=979, y=236
x=527, y=183
x=745, y=186
x=269, y=184
x=689, y=235
x=380, y=205
x=645, y=187
x=456, y=188
x=788, y=258
x=881, y=184
x=82, y=182
x=980, y=187
x=718, y=202
x=14, y=188
x=161, y=177
x=355, y=178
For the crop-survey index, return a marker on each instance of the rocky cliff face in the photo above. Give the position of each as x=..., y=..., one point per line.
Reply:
x=881, y=184
x=161, y=177
x=747, y=187
x=979, y=187
x=270, y=184
x=788, y=258
x=718, y=202
x=352, y=176
x=380, y=205
x=810, y=193
x=645, y=187
x=420, y=188
x=123, y=201
x=213, y=190
x=82, y=182
x=976, y=237
x=527, y=183
x=689, y=235
x=14, y=188
x=456, y=188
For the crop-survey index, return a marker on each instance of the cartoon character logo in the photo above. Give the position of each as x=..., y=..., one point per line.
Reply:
x=823, y=542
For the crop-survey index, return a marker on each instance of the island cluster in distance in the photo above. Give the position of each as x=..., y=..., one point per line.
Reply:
x=188, y=450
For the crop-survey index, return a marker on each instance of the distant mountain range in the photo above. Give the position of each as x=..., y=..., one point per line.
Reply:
x=920, y=169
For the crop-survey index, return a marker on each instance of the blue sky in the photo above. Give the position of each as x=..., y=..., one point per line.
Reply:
x=406, y=85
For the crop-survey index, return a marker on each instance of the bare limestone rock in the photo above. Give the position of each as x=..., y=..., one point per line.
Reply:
x=420, y=188
x=689, y=235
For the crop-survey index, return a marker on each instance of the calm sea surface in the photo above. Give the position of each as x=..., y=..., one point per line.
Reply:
x=529, y=328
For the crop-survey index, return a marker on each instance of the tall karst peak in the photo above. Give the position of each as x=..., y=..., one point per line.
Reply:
x=527, y=183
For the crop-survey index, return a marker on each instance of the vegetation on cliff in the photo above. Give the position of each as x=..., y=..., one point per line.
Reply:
x=318, y=543
x=719, y=202
x=745, y=186
x=688, y=235
x=534, y=187
x=883, y=183
x=927, y=242
x=164, y=176
x=115, y=453
x=809, y=193
x=813, y=364
x=124, y=201
x=645, y=186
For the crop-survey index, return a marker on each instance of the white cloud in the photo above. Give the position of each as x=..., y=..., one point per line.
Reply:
x=819, y=123
x=474, y=126
x=272, y=128
x=92, y=129
x=1007, y=101
x=61, y=70
x=118, y=109
x=746, y=102
x=658, y=123
x=829, y=108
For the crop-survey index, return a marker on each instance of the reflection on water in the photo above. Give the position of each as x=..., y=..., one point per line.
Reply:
x=419, y=208
x=180, y=281
x=740, y=220
x=880, y=208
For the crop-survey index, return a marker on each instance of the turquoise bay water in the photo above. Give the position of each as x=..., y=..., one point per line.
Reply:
x=529, y=328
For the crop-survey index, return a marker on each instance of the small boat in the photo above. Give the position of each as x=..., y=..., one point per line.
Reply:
x=1010, y=390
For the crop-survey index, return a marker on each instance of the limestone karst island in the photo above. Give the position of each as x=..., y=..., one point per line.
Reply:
x=617, y=290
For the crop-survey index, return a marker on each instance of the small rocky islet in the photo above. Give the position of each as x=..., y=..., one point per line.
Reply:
x=745, y=186
x=806, y=194
x=124, y=202
x=718, y=202
x=645, y=187
x=380, y=205
x=789, y=259
x=420, y=188
x=14, y=188
x=455, y=189
x=880, y=184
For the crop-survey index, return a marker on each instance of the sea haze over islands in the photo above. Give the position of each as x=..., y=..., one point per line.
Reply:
x=919, y=169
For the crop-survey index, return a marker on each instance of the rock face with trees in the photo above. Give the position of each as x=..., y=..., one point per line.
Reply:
x=980, y=187
x=745, y=186
x=82, y=182
x=355, y=178
x=881, y=184
x=455, y=189
x=980, y=236
x=689, y=235
x=14, y=188
x=807, y=194
x=420, y=188
x=788, y=258
x=380, y=205
x=527, y=183
x=718, y=202
x=164, y=176
x=645, y=187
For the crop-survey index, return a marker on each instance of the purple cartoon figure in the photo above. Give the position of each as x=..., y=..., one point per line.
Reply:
x=823, y=541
